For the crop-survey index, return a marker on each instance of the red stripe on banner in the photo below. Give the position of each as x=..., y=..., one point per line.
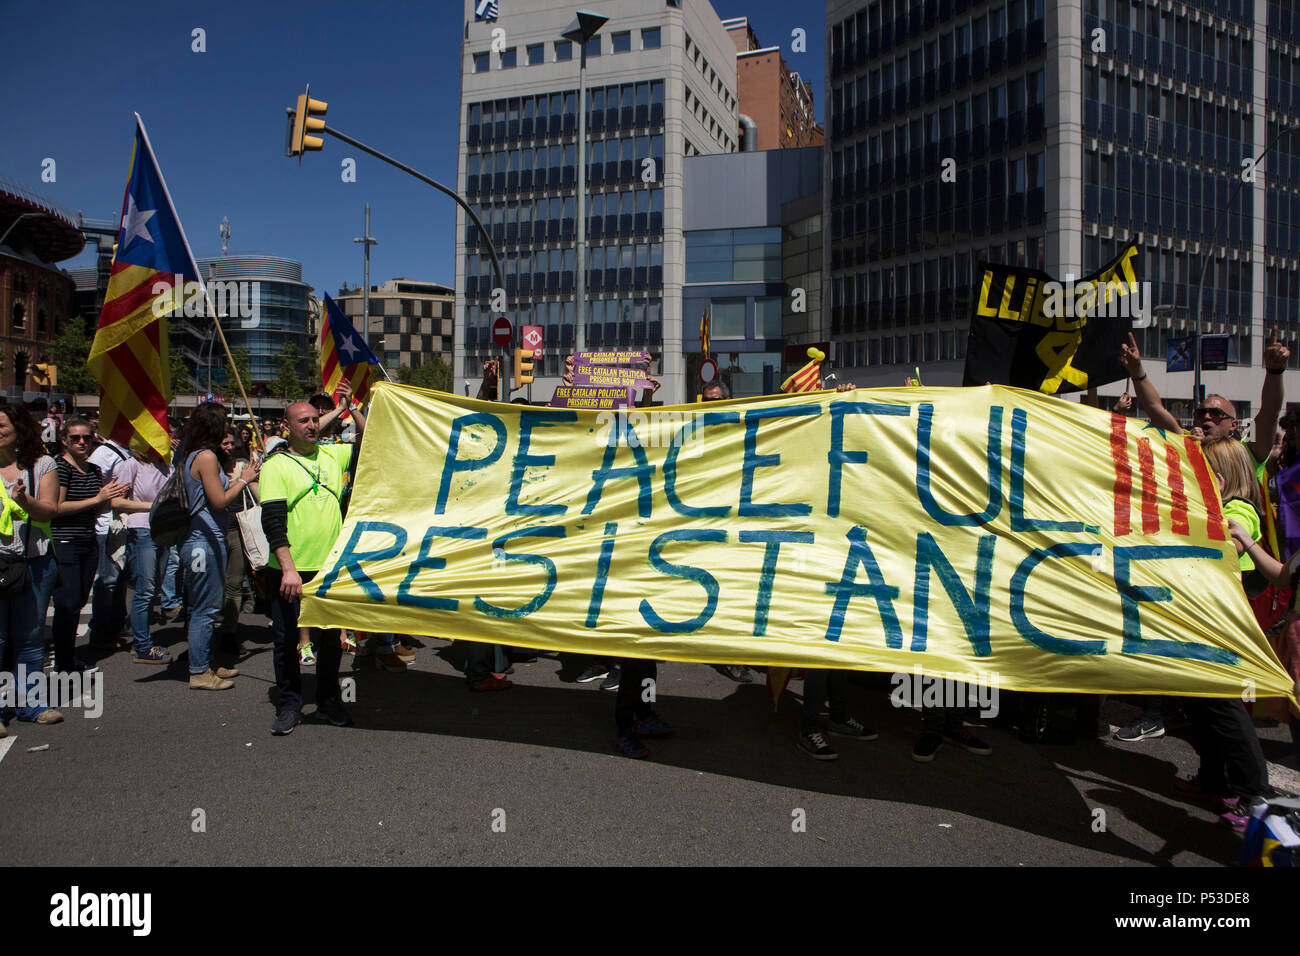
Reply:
x=1150, y=510
x=1215, y=526
x=1174, y=462
x=329, y=362
x=1123, y=472
x=147, y=391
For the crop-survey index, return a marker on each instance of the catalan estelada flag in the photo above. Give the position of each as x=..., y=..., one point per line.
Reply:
x=704, y=332
x=129, y=353
x=343, y=354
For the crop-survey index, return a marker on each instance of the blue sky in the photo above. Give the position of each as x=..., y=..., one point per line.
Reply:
x=388, y=70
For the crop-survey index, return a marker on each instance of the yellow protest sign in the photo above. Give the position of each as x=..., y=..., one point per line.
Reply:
x=990, y=532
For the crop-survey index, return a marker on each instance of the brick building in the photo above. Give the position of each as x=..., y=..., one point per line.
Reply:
x=36, y=297
x=778, y=101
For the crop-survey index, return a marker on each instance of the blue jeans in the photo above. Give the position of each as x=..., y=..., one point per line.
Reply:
x=171, y=584
x=21, y=652
x=147, y=562
x=204, y=554
x=108, y=598
x=45, y=575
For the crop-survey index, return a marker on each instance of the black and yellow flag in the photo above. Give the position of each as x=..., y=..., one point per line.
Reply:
x=1031, y=331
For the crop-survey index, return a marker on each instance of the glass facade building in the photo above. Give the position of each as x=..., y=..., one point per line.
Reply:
x=1066, y=132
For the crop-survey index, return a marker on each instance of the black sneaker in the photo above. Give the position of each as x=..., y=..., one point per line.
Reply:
x=815, y=746
x=286, y=718
x=334, y=712
x=737, y=672
x=594, y=672
x=611, y=682
x=967, y=741
x=1141, y=729
x=927, y=746
x=852, y=728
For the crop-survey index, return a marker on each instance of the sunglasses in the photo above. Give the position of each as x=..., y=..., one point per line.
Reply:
x=78, y=438
x=1213, y=414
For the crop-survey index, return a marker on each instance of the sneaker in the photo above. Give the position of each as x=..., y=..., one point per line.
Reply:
x=652, y=725
x=594, y=672
x=333, y=711
x=1141, y=729
x=407, y=654
x=155, y=655
x=611, y=681
x=286, y=718
x=852, y=728
x=737, y=672
x=225, y=673
x=967, y=741
x=170, y=614
x=927, y=745
x=815, y=746
x=387, y=660
x=49, y=717
x=1235, y=815
x=306, y=654
x=491, y=682
x=348, y=642
x=208, y=680
x=629, y=746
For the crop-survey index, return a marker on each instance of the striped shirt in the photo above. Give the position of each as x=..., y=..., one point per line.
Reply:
x=80, y=485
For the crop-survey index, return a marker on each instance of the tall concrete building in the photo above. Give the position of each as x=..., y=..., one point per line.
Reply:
x=776, y=104
x=1072, y=128
x=661, y=86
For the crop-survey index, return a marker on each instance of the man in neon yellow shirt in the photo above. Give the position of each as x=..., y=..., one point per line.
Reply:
x=301, y=489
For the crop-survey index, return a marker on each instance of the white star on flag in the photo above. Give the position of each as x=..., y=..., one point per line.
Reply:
x=135, y=222
x=349, y=348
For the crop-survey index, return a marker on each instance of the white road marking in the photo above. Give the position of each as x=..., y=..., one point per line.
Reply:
x=5, y=744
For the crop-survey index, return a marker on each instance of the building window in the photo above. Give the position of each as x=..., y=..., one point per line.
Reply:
x=727, y=319
x=767, y=318
x=650, y=38
x=563, y=50
x=19, y=316
x=593, y=47
x=536, y=54
x=482, y=62
x=509, y=58
x=622, y=42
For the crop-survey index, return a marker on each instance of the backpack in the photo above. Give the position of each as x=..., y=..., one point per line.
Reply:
x=170, y=514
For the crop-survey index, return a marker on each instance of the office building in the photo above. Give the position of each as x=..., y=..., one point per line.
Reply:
x=661, y=86
x=410, y=321
x=1072, y=129
x=753, y=260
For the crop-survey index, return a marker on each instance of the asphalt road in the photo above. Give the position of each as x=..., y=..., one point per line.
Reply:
x=429, y=769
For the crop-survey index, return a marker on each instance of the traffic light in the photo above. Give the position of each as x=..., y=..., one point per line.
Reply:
x=305, y=120
x=523, y=367
x=45, y=374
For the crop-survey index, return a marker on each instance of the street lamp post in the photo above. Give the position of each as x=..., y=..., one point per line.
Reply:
x=1214, y=243
x=585, y=25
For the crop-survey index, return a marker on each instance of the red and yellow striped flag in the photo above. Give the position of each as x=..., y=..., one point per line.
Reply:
x=129, y=352
x=343, y=354
x=808, y=378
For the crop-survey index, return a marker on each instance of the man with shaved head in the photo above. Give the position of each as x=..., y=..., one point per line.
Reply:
x=301, y=487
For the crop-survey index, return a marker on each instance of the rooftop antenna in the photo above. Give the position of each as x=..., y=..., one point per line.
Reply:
x=224, y=230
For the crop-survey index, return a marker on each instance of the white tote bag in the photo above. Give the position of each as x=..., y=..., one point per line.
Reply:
x=256, y=548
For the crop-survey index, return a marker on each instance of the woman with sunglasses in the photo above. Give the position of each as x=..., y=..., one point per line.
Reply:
x=82, y=496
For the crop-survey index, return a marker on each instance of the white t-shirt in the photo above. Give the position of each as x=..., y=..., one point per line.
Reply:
x=107, y=459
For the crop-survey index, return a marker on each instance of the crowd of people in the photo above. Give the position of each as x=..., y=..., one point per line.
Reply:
x=266, y=505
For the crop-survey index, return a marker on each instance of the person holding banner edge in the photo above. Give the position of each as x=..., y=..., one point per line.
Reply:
x=302, y=514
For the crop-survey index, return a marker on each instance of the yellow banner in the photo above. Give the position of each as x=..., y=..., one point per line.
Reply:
x=989, y=532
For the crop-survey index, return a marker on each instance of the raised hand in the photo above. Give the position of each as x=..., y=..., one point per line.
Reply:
x=1275, y=353
x=1130, y=357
